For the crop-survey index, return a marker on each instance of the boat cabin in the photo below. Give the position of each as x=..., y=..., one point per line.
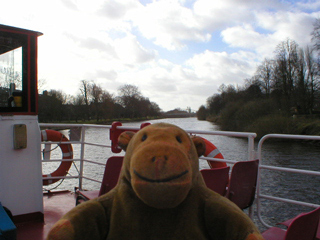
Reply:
x=20, y=160
x=18, y=71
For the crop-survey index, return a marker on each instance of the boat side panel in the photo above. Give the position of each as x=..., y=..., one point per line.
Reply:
x=20, y=171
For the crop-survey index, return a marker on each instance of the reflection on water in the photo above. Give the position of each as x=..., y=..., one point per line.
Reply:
x=280, y=184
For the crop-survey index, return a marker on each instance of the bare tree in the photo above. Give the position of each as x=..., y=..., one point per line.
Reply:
x=301, y=95
x=78, y=107
x=85, y=90
x=107, y=105
x=96, y=99
x=264, y=75
x=85, y=86
x=312, y=76
x=129, y=98
x=316, y=34
x=284, y=71
x=51, y=106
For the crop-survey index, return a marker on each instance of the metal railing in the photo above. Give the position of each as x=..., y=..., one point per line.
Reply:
x=82, y=142
x=252, y=154
x=260, y=195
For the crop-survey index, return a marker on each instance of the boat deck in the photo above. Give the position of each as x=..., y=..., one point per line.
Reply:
x=56, y=204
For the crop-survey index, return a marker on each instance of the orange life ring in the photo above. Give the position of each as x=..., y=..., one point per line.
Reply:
x=213, y=152
x=67, y=153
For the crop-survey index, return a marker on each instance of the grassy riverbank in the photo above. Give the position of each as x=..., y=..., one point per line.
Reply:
x=109, y=121
x=274, y=123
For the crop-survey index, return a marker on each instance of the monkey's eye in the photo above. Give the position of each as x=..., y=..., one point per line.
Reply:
x=179, y=139
x=144, y=137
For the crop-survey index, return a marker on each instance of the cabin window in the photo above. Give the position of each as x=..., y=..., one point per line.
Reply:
x=11, y=78
x=18, y=84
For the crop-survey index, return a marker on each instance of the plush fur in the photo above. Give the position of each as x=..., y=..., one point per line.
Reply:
x=160, y=195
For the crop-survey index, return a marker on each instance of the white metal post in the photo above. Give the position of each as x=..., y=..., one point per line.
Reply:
x=83, y=137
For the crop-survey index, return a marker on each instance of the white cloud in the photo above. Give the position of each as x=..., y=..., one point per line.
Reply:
x=168, y=24
x=124, y=41
x=216, y=15
x=277, y=27
x=245, y=37
x=309, y=5
x=117, y=9
x=130, y=51
x=70, y=4
x=294, y=25
x=220, y=67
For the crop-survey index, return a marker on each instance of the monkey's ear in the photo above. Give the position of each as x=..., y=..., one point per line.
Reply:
x=124, y=139
x=199, y=144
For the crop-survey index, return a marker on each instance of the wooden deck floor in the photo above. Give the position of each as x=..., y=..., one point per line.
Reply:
x=56, y=204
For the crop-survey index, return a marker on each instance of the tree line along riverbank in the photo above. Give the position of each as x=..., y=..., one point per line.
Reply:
x=299, y=125
x=283, y=95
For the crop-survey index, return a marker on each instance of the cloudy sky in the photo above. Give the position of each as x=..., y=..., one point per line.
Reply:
x=178, y=52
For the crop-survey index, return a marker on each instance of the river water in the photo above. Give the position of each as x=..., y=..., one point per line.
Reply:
x=291, y=154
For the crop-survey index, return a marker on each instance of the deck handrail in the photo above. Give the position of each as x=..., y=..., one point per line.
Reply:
x=251, y=155
x=261, y=196
x=250, y=138
x=82, y=142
